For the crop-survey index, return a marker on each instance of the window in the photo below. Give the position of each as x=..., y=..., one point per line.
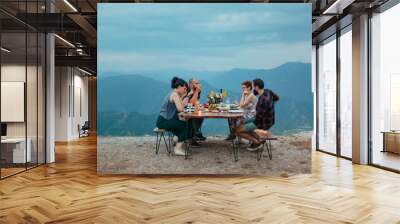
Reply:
x=327, y=95
x=385, y=89
x=346, y=92
x=22, y=87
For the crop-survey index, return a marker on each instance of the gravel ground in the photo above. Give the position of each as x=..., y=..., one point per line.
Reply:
x=136, y=155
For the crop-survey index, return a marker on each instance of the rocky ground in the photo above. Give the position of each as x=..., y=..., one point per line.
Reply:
x=291, y=154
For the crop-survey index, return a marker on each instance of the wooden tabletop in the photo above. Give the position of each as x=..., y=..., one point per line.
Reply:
x=201, y=114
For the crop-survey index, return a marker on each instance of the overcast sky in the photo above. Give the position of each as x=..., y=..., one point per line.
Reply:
x=136, y=37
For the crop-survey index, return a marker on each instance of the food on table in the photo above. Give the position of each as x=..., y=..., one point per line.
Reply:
x=189, y=108
x=223, y=107
x=212, y=107
x=234, y=107
x=215, y=98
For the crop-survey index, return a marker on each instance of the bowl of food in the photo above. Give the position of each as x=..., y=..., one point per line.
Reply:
x=234, y=107
x=223, y=107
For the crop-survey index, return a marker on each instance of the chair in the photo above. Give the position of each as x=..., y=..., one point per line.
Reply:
x=160, y=133
x=266, y=144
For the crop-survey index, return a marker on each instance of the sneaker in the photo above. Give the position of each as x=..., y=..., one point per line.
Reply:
x=200, y=137
x=230, y=137
x=254, y=146
x=241, y=143
x=175, y=139
x=178, y=149
x=195, y=144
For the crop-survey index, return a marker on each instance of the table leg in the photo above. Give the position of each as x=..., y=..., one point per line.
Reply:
x=235, y=147
x=187, y=149
x=189, y=140
x=384, y=142
x=235, y=150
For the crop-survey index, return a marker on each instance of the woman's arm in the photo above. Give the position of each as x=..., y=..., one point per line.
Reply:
x=177, y=101
x=194, y=98
x=249, y=99
x=185, y=100
x=241, y=101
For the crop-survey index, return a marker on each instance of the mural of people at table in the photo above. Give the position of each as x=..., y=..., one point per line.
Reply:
x=258, y=114
x=197, y=74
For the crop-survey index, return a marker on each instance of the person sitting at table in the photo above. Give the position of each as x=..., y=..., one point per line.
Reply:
x=248, y=103
x=193, y=97
x=168, y=118
x=264, y=118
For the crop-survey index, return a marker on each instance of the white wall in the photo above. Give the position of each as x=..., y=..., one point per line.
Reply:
x=70, y=83
x=62, y=81
x=33, y=126
x=17, y=73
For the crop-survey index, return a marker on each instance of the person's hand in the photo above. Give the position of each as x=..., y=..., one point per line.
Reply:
x=198, y=87
x=197, y=106
x=185, y=100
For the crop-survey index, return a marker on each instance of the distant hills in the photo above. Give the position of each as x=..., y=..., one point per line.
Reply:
x=128, y=104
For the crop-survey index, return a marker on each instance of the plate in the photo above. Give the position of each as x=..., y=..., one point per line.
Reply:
x=235, y=111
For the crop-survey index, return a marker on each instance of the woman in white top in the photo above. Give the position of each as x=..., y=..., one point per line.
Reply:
x=248, y=102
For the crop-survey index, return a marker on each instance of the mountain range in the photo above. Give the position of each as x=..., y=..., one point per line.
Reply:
x=128, y=104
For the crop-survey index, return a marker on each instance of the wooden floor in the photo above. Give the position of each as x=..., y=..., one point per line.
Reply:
x=70, y=191
x=387, y=159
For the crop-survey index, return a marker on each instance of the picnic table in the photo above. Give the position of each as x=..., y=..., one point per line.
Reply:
x=233, y=116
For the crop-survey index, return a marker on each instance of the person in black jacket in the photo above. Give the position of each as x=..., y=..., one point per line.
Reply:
x=265, y=116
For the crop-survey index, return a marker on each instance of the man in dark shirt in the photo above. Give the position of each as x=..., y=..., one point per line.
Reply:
x=265, y=108
x=265, y=115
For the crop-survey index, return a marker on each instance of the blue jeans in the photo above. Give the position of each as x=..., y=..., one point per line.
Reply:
x=249, y=125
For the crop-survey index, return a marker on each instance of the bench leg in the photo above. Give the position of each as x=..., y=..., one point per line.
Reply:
x=166, y=144
x=158, y=142
x=269, y=149
x=170, y=142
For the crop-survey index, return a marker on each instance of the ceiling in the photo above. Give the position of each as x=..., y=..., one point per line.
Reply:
x=75, y=21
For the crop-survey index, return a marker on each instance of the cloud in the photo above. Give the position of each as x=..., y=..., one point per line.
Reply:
x=202, y=36
x=242, y=21
x=263, y=56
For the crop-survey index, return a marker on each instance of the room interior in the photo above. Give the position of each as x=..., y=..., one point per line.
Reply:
x=22, y=102
x=48, y=77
